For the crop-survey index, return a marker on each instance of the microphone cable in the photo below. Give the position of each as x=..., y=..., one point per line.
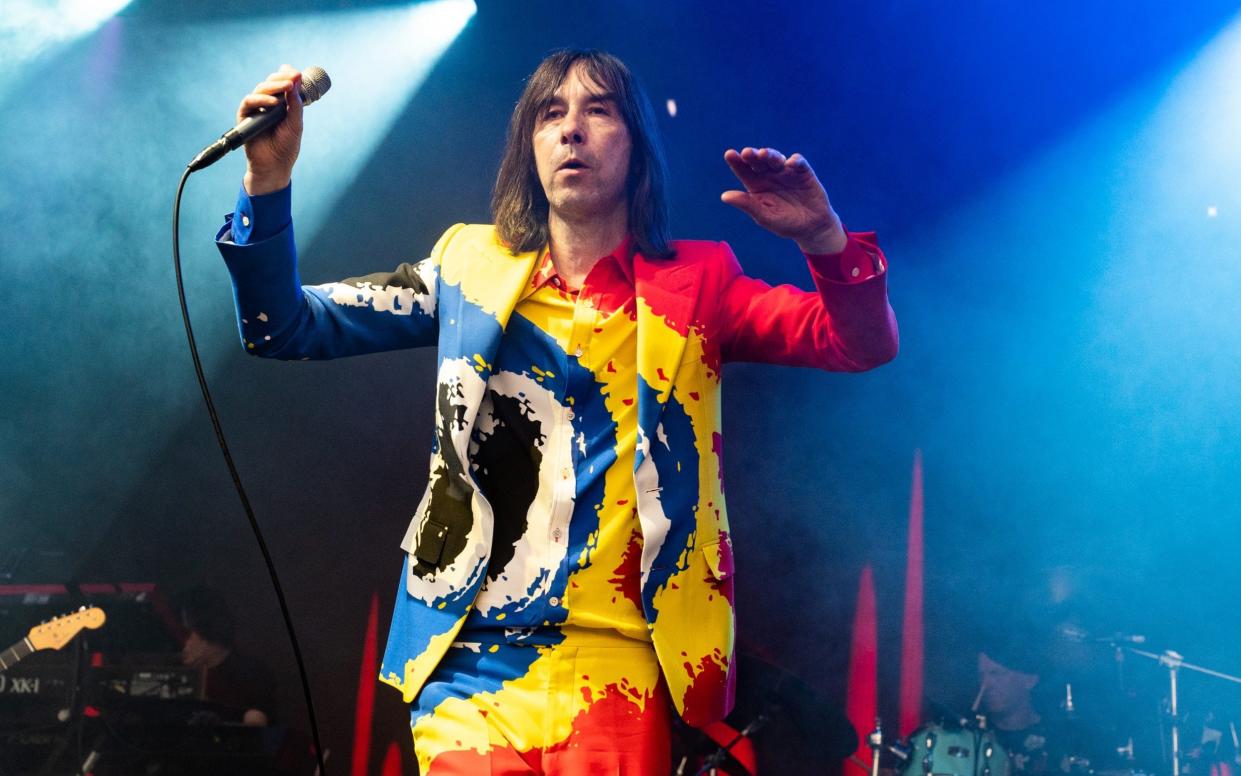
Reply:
x=232, y=470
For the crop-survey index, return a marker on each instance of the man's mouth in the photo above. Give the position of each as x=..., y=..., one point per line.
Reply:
x=572, y=164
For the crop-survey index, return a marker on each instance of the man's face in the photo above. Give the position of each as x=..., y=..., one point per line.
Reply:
x=1003, y=688
x=581, y=149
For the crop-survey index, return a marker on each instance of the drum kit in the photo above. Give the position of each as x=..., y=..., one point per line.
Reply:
x=1172, y=744
x=1131, y=734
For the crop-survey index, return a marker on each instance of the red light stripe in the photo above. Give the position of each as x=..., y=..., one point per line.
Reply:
x=392, y=761
x=863, y=698
x=911, y=628
x=366, y=695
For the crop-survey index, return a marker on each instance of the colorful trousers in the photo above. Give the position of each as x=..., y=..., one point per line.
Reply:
x=593, y=702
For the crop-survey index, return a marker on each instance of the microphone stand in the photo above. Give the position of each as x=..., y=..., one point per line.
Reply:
x=1174, y=662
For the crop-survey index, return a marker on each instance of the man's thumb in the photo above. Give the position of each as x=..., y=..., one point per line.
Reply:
x=742, y=200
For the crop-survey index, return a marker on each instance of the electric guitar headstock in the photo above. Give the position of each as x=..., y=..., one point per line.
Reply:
x=57, y=632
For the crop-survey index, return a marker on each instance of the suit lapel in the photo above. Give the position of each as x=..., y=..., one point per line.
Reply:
x=666, y=291
x=490, y=282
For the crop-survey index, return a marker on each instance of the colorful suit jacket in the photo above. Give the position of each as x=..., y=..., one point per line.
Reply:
x=693, y=313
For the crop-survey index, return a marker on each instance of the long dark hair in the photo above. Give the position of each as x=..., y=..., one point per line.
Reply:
x=518, y=203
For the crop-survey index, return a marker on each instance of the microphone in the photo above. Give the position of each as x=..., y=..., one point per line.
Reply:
x=1082, y=636
x=315, y=84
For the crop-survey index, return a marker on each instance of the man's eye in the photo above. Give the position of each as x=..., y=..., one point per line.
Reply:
x=552, y=113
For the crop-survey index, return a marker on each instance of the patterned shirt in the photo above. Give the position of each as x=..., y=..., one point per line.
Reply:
x=553, y=450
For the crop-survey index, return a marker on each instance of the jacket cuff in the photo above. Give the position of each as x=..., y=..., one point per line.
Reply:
x=260, y=218
x=860, y=261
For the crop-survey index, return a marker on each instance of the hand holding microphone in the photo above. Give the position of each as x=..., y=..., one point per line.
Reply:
x=269, y=124
x=270, y=156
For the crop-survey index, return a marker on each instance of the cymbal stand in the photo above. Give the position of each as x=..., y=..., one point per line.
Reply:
x=72, y=716
x=875, y=742
x=1174, y=662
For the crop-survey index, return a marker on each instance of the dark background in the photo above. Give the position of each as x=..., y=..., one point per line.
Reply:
x=1039, y=175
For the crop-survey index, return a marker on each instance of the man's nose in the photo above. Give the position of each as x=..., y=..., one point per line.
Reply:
x=571, y=130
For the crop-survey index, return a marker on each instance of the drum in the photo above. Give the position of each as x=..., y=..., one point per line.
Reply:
x=939, y=751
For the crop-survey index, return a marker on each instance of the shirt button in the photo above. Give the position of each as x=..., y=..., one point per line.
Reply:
x=556, y=534
x=569, y=414
x=556, y=282
x=554, y=601
x=245, y=220
x=564, y=473
x=856, y=271
x=578, y=353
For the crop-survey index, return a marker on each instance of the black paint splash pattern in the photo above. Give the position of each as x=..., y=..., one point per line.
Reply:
x=506, y=466
x=449, y=504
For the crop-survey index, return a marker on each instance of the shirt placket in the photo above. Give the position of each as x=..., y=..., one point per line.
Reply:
x=585, y=317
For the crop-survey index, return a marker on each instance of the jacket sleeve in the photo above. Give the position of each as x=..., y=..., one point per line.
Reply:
x=280, y=318
x=841, y=326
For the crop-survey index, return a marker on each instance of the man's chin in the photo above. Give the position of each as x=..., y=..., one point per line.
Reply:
x=582, y=205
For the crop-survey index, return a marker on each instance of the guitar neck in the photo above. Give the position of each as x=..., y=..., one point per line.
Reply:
x=15, y=653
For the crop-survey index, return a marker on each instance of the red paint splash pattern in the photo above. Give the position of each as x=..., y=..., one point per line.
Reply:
x=592, y=746
x=722, y=575
x=717, y=447
x=627, y=575
x=713, y=675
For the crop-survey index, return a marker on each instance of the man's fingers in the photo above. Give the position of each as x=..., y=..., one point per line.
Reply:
x=762, y=160
x=273, y=86
x=294, y=100
x=266, y=94
x=770, y=159
x=759, y=166
x=798, y=164
x=753, y=159
x=253, y=101
x=285, y=73
x=744, y=172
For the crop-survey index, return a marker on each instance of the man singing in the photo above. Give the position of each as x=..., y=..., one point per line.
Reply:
x=569, y=570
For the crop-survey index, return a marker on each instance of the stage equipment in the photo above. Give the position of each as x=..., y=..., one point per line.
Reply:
x=1174, y=662
x=937, y=750
x=53, y=634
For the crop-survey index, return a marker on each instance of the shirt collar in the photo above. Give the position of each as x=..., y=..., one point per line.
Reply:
x=545, y=268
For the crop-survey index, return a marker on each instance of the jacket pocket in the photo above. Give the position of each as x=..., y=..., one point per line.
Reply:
x=719, y=558
x=431, y=543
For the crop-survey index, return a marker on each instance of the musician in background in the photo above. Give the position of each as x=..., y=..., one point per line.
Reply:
x=232, y=678
x=1037, y=742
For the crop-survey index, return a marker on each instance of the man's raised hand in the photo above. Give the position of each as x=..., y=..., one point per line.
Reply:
x=270, y=156
x=784, y=196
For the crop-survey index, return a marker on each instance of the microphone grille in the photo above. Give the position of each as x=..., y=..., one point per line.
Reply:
x=315, y=84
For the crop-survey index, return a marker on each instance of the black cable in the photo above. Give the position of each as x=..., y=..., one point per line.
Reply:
x=232, y=470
